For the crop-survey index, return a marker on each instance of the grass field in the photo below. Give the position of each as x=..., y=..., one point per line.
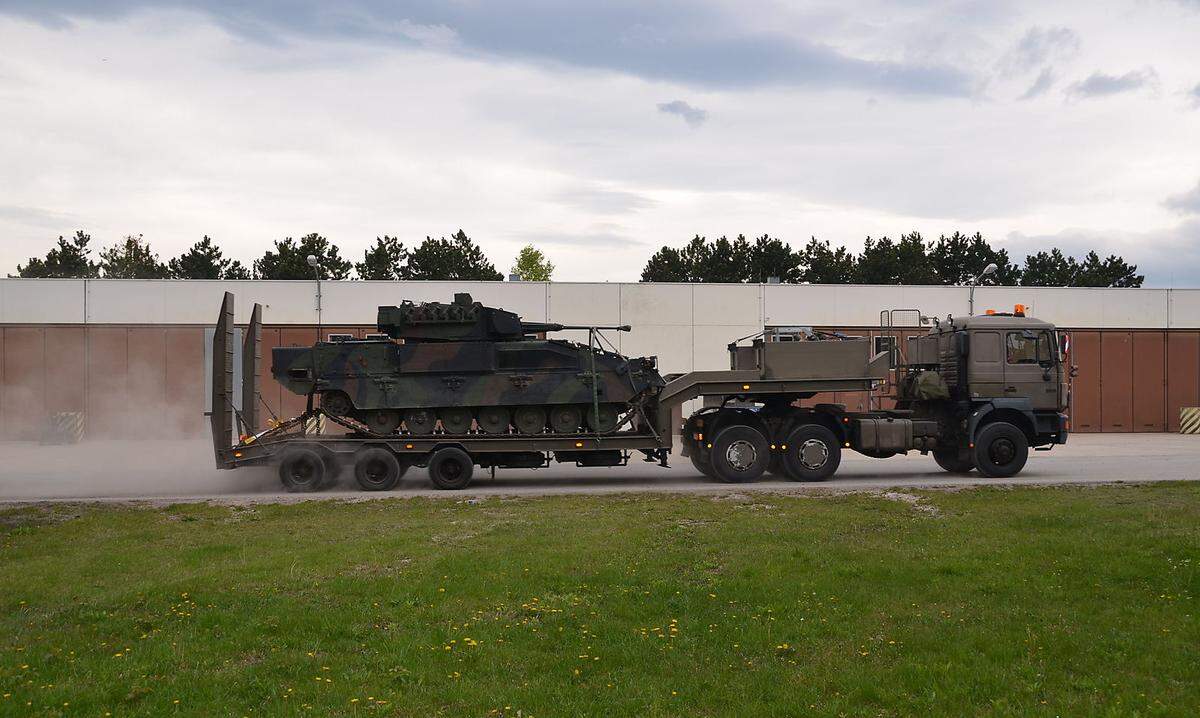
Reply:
x=1067, y=601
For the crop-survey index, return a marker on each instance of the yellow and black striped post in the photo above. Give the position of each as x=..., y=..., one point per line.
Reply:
x=1189, y=420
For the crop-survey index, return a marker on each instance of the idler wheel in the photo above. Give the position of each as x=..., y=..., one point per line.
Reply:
x=455, y=420
x=565, y=419
x=603, y=421
x=492, y=419
x=336, y=403
x=419, y=421
x=530, y=419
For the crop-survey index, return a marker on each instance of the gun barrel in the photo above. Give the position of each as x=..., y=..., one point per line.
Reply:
x=611, y=328
x=539, y=327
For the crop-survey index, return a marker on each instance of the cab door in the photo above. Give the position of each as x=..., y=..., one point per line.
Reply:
x=986, y=362
x=1030, y=369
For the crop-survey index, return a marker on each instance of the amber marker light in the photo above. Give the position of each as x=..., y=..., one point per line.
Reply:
x=745, y=386
x=408, y=446
x=578, y=444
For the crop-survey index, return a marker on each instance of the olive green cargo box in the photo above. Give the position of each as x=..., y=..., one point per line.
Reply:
x=800, y=360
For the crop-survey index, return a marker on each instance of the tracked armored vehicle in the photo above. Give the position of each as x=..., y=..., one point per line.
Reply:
x=464, y=368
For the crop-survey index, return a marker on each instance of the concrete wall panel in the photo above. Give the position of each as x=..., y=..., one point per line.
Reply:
x=584, y=304
x=710, y=344
x=1149, y=381
x=669, y=304
x=146, y=380
x=41, y=301
x=107, y=388
x=1116, y=380
x=717, y=305
x=672, y=344
x=1183, y=374
x=66, y=369
x=184, y=389
x=24, y=389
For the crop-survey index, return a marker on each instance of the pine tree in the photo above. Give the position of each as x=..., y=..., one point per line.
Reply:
x=454, y=258
x=204, y=260
x=289, y=260
x=132, y=258
x=69, y=260
x=384, y=261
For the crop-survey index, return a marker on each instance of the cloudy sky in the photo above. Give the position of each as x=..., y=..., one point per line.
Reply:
x=601, y=131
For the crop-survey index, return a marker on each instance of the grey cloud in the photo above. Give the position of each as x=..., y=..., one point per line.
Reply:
x=1038, y=46
x=1186, y=203
x=1099, y=84
x=596, y=240
x=694, y=116
x=36, y=217
x=1194, y=96
x=603, y=201
x=1168, y=257
x=647, y=38
x=1045, y=80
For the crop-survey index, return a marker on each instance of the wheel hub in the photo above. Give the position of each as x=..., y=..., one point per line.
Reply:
x=813, y=454
x=741, y=455
x=1002, y=451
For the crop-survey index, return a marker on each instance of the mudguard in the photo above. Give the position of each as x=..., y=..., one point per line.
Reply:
x=1023, y=405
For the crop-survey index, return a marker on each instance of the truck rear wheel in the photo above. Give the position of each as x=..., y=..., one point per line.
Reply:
x=1001, y=450
x=813, y=453
x=952, y=460
x=739, y=454
x=377, y=469
x=701, y=464
x=301, y=470
x=451, y=468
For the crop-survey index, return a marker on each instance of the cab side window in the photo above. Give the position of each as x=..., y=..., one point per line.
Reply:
x=1027, y=347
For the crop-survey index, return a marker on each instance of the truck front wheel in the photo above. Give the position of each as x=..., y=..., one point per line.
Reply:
x=739, y=454
x=813, y=453
x=701, y=465
x=1001, y=450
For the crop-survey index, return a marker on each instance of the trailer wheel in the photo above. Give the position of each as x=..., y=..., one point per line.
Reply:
x=451, y=468
x=813, y=453
x=952, y=460
x=377, y=469
x=1001, y=450
x=301, y=470
x=739, y=453
x=702, y=465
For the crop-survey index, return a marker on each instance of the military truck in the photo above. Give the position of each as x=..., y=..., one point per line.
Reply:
x=977, y=393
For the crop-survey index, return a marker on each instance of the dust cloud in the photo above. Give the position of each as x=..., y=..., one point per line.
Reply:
x=122, y=469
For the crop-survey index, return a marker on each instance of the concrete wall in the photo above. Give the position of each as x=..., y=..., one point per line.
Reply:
x=111, y=347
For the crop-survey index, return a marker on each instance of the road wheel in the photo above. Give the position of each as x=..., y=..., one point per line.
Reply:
x=384, y=421
x=1001, y=450
x=377, y=469
x=492, y=419
x=603, y=419
x=739, y=454
x=529, y=420
x=450, y=468
x=301, y=470
x=953, y=460
x=701, y=464
x=419, y=421
x=813, y=453
x=455, y=420
x=565, y=419
x=336, y=403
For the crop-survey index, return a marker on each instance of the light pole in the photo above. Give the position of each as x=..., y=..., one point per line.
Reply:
x=312, y=262
x=988, y=270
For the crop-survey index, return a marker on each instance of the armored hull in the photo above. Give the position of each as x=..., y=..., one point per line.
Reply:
x=462, y=368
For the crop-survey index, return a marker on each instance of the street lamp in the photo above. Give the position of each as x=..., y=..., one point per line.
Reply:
x=988, y=270
x=312, y=262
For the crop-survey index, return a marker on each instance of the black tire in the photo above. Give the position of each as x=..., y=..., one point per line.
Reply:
x=301, y=470
x=1001, y=450
x=813, y=453
x=451, y=468
x=377, y=469
x=701, y=464
x=953, y=460
x=739, y=454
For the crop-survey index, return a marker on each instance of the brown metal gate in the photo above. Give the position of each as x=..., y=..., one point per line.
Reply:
x=1183, y=374
x=1116, y=380
x=1085, y=387
x=1149, y=381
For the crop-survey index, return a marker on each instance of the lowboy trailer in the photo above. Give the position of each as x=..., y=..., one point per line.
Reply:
x=976, y=393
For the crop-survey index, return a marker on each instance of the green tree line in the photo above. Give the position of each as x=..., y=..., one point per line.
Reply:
x=910, y=259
